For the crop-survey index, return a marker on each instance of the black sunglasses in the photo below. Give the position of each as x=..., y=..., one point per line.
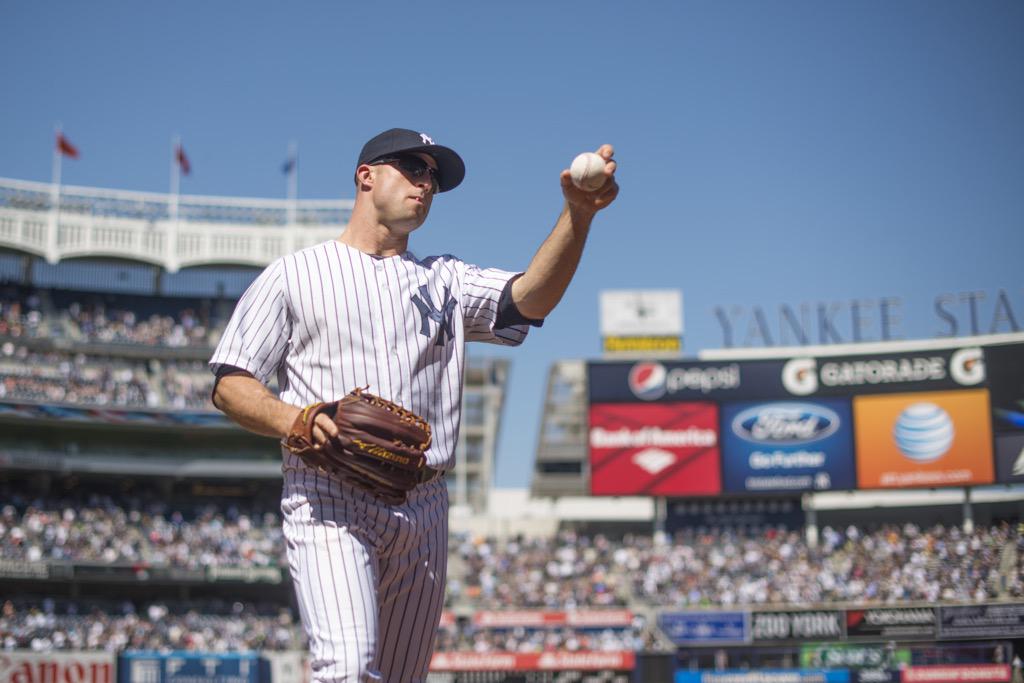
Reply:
x=411, y=166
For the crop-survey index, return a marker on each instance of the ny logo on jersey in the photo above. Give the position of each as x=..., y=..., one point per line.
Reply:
x=441, y=316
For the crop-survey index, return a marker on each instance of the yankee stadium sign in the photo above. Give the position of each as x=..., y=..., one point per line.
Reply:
x=866, y=320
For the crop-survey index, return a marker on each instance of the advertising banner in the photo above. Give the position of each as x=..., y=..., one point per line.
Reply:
x=803, y=625
x=125, y=572
x=754, y=516
x=288, y=667
x=765, y=676
x=670, y=381
x=635, y=312
x=929, y=439
x=646, y=344
x=930, y=370
x=891, y=622
x=188, y=667
x=24, y=666
x=875, y=675
x=244, y=574
x=93, y=415
x=539, y=619
x=24, y=569
x=1005, y=363
x=787, y=446
x=564, y=676
x=956, y=673
x=664, y=449
x=532, y=661
x=706, y=628
x=1010, y=458
x=849, y=656
x=981, y=621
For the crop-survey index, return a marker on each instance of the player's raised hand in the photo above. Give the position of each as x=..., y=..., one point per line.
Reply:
x=582, y=186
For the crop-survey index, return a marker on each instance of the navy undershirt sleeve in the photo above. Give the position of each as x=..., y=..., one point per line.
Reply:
x=508, y=312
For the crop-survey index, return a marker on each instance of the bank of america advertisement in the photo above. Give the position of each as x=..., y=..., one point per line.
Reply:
x=787, y=446
x=661, y=449
x=939, y=438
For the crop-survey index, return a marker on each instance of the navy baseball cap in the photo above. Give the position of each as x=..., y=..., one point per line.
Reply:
x=450, y=167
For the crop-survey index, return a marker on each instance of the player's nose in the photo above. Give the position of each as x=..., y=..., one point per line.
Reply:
x=426, y=182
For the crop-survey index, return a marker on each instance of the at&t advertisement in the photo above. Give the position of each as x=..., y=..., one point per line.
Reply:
x=939, y=438
x=787, y=446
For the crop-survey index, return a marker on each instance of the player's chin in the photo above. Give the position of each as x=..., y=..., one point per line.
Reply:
x=421, y=208
x=408, y=223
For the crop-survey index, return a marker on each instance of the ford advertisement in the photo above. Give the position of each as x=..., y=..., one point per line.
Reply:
x=779, y=446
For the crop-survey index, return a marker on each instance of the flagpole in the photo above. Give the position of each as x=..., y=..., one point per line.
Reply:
x=175, y=178
x=172, y=230
x=51, y=237
x=293, y=182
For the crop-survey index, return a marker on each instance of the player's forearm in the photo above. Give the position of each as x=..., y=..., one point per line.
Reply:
x=543, y=284
x=246, y=401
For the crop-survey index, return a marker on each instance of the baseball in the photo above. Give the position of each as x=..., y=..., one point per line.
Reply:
x=587, y=171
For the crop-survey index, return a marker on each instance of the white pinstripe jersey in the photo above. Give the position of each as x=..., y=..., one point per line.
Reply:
x=331, y=318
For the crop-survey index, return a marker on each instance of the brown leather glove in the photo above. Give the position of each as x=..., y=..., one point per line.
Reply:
x=380, y=446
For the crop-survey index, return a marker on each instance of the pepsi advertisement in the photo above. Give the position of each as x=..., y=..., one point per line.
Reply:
x=777, y=446
x=672, y=381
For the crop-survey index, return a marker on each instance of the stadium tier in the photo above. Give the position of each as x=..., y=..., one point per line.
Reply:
x=139, y=528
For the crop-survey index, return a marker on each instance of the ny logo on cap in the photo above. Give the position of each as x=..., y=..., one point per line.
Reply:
x=442, y=316
x=427, y=140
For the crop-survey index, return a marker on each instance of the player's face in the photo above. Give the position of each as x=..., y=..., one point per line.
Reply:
x=403, y=190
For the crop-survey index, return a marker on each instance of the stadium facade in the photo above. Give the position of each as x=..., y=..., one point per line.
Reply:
x=140, y=538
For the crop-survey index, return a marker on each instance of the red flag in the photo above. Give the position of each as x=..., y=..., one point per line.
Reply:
x=65, y=147
x=186, y=167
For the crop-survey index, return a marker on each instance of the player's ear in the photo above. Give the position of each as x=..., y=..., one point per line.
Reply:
x=364, y=177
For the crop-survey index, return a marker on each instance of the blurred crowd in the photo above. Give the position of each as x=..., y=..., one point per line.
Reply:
x=896, y=563
x=96, y=323
x=37, y=328
x=20, y=316
x=61, y=377
x=144, y=533
x=892, y=564
x=566, y=572
x=150, y=321
x=44, y=627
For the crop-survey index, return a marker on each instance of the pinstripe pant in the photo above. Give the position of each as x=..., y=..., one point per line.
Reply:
x=370, y=577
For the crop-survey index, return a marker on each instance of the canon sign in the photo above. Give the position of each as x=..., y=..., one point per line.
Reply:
x=78, y=667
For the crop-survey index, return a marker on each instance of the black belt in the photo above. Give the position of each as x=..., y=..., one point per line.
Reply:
x=428, y=474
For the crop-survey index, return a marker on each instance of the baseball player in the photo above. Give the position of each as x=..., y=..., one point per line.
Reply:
x=364, y=311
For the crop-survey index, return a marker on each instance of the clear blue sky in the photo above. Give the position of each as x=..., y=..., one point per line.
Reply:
x=770, y=152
